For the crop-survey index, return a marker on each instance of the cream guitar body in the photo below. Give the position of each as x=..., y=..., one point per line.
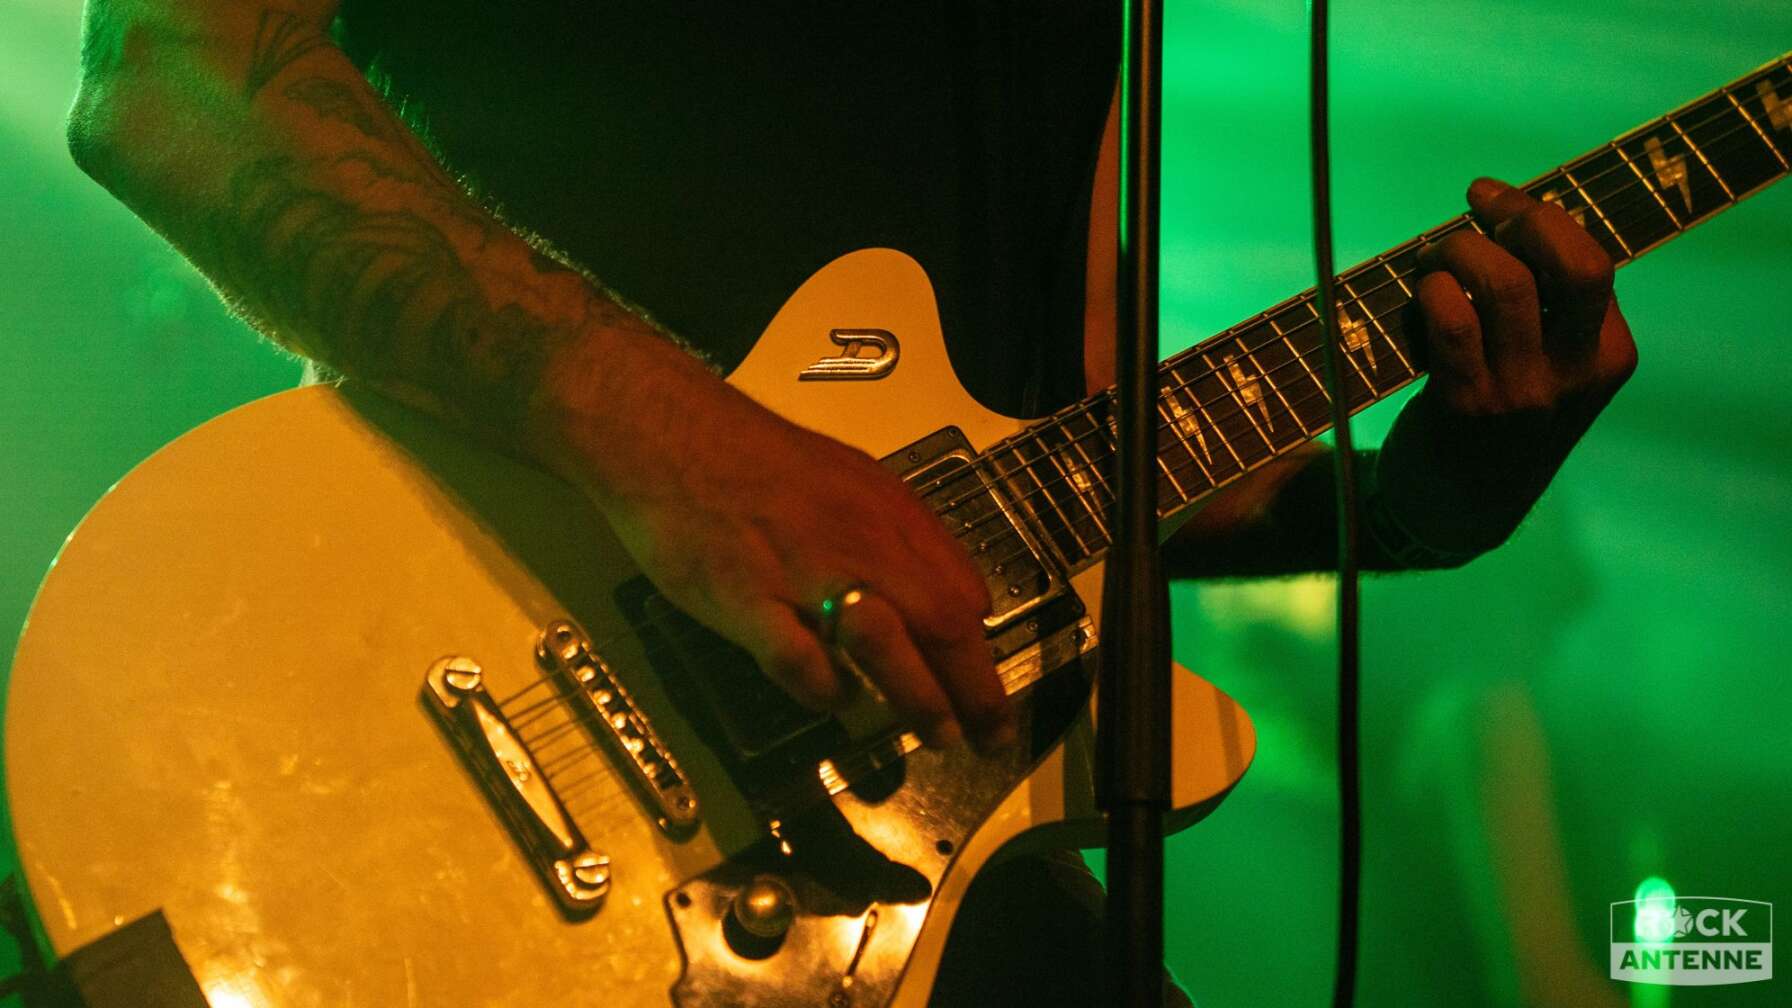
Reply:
x=271, y=690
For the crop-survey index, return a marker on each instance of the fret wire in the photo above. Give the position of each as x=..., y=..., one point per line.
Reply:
x=1400, y=352
x=1062, y=504
x=1754, y=124
x=1739, y=149
x=1084, y=409
x=1624, y=162
x=1719, y=179
x=1112, y=450
x=1754, y=78
x=1245, y=468
x=1301, y=358
x=1167, y=408
x=1399, y=278
x=1106, y=428
x=1550, y=188
x=1264, y=379
x=1376, y=322
x=1652, y=200
x=1673, y=218
x=1354, y=366
x=1194, y=397
x=1647, y=199
x=1228, y=381
x=1086, y=486
x=1052, y=502
x=1098, y=481
x=1598, y=212
x=1772, y=148
x=1175, y=421
x=1370, y=319
x=1182, y=495
x=1733, y=133
x=1312, y=376
x=1020, y=497
x=1773, y=172
x=1043, y=488
x=1651, y=208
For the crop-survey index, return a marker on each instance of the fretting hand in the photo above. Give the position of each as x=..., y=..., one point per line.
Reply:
x=1526, y=345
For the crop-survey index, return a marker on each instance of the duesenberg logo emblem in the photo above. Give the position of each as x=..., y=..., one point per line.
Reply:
x=865, y=354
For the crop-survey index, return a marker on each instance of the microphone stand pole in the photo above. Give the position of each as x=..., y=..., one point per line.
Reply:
x=1133, y=733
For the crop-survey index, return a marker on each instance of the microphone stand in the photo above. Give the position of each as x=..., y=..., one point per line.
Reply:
x=1133, y=732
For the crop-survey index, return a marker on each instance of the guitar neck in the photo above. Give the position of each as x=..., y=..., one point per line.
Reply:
x=1255, y=391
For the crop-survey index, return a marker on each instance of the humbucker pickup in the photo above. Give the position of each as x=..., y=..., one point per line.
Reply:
x=941, y=470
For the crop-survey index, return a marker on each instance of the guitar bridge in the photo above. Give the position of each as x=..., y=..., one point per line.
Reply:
x=577, y=876
x=611, y=714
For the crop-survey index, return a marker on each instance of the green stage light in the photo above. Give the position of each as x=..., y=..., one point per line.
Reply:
x=1654, y=924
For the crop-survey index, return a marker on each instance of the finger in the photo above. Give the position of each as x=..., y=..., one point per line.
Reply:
x=943, y=609
x=1505, y=297
x=1616, y=358
x=942, y=564
x=973, y=687
x=1453, y=341
x=1573, y=275
x=1496, y=202
x=788, y=652
x=873, y=633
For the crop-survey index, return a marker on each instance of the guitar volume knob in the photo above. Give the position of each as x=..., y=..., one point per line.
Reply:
x=764, y=908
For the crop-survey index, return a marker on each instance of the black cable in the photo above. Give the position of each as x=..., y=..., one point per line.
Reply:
x=1350, y=812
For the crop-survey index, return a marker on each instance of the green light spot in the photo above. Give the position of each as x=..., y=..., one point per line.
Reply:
x=1654, y=923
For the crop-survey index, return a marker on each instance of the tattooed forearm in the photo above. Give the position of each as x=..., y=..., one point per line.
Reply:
x=381, y=295
x=280, y=39
x=334, y=100
x=261, y=152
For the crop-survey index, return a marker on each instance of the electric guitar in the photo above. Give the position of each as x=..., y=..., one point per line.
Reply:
x=371, y=716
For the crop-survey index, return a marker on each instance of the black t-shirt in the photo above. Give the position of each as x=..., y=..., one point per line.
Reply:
x=703, y=160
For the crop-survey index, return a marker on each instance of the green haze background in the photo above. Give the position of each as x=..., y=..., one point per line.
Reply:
x=1606, y=695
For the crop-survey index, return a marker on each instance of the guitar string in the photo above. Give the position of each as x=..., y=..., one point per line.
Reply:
x=1012, y=682
x=864, y=757
x=1230, y=392
x=1613, y=226
x=1646, y=195
x=1644, y=199
x=1745, y=127
x=571, y=790
x=568, y=788
x=1610, y=220
x=858, y=756
x=1200, y=478
x=1216, y=421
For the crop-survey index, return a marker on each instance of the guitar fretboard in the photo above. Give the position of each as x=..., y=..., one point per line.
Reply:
x=1256, y=391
